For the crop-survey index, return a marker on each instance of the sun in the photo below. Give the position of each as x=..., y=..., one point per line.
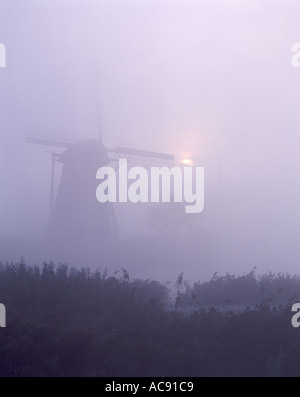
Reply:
x=187, y=162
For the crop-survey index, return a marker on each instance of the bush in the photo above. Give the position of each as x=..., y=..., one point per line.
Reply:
x=67, y=322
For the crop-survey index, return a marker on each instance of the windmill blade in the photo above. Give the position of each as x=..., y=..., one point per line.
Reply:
x=142, y=153
x=141, y=157
x=47, y=137
x=87, y=145
x=48, y=142
x=97, y=101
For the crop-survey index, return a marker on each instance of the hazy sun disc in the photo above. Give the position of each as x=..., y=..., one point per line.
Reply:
x=187, y=162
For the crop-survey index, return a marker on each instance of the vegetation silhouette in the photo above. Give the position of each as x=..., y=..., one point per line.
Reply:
x=67, y=322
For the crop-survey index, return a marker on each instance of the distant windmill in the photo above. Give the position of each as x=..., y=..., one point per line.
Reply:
x=78, y=224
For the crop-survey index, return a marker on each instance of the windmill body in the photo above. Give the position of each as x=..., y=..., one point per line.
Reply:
x=78, y=224
x=80, y=229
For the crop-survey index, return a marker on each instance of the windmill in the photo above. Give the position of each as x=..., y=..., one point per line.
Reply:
x=78, y=224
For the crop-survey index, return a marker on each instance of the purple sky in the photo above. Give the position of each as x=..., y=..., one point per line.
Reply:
x=207, y=80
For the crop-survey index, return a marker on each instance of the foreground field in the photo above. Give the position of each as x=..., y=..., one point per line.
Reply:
x=66, y=322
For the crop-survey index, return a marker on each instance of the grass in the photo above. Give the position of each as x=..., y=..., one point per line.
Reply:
x=67, y=322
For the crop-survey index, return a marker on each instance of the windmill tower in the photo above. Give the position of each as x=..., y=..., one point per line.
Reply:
x=79, y=226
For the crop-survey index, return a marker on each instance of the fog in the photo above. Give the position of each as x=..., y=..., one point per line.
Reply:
x=209, y=81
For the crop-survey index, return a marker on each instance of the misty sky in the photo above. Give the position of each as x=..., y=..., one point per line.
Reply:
x=205, y=79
